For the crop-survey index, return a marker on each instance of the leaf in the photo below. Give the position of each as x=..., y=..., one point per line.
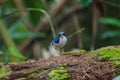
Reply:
x=15, y=26
x=6, y=10
x=110, y=21
x=56, y=1
x=15, y=55
x=27, y=35
x=85, y=3
x=117, y=78
x=110, y=34
x=1, y=52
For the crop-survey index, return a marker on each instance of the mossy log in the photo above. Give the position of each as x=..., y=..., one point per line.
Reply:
x=101, y=64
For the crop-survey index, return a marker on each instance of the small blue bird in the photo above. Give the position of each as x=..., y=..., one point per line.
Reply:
x=59, y=41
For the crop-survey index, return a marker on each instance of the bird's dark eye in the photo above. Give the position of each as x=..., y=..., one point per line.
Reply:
x=64, y=34
x=59, y=35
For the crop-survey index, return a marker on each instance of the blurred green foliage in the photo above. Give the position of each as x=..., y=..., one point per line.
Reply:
x=34, y=15
x=85, y=3
x=17, y=25
x=19, y=32
x=112, y=22
x=16, y=28
x=56, y=1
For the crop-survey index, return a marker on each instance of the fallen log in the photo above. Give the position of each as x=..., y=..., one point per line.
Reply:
x=73, y=65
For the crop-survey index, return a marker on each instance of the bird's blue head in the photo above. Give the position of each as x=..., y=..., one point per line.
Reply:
x=61, y=33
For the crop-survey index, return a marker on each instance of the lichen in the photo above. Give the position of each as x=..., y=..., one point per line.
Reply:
x=5, y=71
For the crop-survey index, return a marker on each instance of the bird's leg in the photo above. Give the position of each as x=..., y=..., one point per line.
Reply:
x=59, y=49
x=62, y=50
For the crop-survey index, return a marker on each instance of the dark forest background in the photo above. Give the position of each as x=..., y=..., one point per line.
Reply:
x=25, y=26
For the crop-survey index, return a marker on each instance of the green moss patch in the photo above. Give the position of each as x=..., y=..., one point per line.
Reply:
x=111, y=54
x=58, y=75
x=21, y=79
x=32, y=75
x=4, y=72
x=75, y=52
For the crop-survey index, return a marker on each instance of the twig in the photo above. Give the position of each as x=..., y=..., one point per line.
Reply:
x=71, y=35
x=77, y=26
x=47, y=16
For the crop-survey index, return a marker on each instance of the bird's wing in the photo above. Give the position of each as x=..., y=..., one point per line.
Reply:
x=56, y=39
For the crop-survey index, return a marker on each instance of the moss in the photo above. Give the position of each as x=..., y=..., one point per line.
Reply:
x=58, y=75
x=111, y=54
x=1, y=64
x=62, y=66
x=23, y=71
x=32, y=75
x=21, y=79
x=4, y=72
x=116, y=63
x=75, y=52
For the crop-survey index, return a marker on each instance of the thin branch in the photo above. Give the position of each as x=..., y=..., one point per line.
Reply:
x=47, y=16
x=78, y=27
x=79, y=31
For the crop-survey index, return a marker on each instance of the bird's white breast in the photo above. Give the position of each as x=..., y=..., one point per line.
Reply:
x=62, y=40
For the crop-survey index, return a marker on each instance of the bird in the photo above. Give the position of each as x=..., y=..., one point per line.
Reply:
x=59, y=41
